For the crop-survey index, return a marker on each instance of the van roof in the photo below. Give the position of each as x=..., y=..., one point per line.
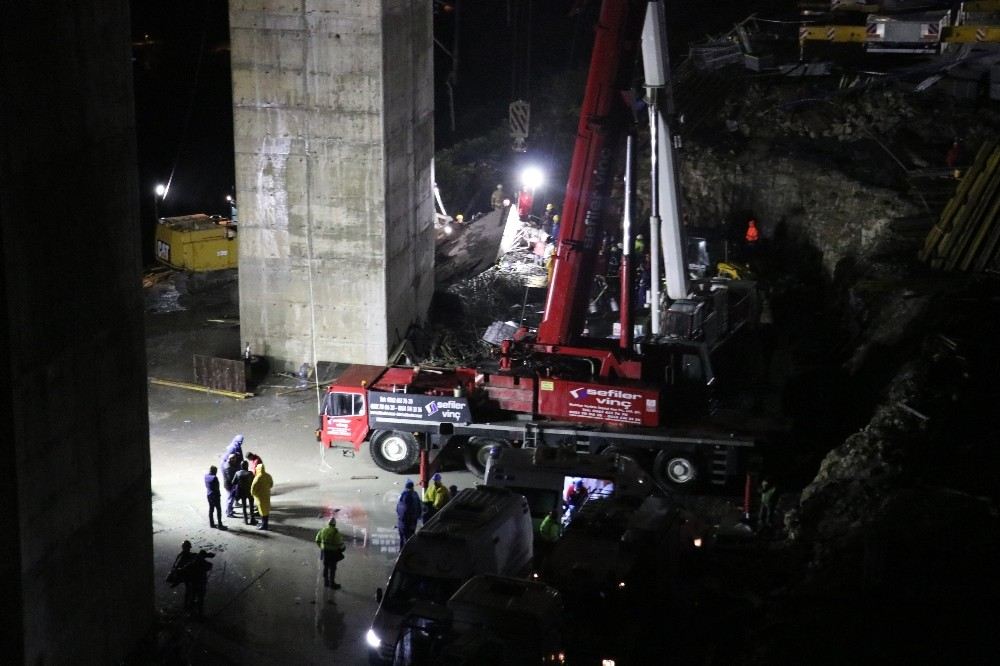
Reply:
x=470, y=509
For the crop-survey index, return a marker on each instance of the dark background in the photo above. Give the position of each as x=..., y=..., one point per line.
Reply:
x=508, y=49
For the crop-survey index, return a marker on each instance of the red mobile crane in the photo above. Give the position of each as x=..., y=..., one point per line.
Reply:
x=555, y=387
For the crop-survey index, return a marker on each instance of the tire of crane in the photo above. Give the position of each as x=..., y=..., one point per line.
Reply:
x=677, y=469
x=477, y=451
x=640, y=457
x=394, y=451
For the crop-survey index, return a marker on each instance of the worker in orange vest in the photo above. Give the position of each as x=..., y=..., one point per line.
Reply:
x=752, y=235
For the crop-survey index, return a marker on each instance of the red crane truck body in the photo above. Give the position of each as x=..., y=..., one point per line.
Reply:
x=556, y=386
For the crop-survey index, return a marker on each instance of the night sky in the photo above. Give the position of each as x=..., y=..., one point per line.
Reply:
x=507, y=49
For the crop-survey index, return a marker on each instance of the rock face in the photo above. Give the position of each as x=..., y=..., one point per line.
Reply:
x=832, y=211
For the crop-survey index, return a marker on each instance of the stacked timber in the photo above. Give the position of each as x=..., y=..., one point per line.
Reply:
x=967, y=236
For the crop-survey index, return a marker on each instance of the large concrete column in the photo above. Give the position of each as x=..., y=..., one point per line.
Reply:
x=333, y=118
x=76, y=556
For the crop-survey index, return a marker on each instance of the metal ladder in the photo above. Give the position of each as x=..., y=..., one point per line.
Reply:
x=718, y=466
x=532, y=431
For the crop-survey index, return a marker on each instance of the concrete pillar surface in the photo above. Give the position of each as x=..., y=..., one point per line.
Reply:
x=333, y=124
x=76, y=555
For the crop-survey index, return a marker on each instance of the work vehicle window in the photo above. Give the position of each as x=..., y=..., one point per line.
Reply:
x=541, y=502
x=344, y=404
x=406, y=588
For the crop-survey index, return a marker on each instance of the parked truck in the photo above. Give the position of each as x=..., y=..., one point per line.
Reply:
x=556, y=385
x=480, y=531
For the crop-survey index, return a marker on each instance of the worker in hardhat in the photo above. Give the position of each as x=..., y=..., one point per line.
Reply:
x=752, y=235
x=407, y=513
x=550, y=529
x=435, y=497
x=550, y=211
x=459, y=219
x=555, y=227
x=497, y=198
x=640, y=245
x=331, y=550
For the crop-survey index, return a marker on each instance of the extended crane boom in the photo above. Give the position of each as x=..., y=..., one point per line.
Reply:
x=602, y=118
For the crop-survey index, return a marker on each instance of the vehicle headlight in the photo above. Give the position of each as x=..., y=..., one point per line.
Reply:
x=372, y=639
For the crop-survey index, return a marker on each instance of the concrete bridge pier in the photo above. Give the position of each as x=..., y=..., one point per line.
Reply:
x=333, y=118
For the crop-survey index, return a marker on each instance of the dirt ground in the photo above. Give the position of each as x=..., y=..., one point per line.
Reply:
x=266, y=602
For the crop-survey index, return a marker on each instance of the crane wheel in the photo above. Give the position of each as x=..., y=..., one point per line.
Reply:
x=394, y=451
x=477, y=451
x=639, y=457
x=677, y=469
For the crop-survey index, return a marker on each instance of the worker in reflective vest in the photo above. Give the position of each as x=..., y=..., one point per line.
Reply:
x=752, y=235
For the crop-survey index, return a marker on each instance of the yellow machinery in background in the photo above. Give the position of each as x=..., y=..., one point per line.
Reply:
x=197, y=242
x=733, y=271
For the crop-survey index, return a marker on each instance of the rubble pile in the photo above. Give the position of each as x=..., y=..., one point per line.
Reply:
x=463, y=312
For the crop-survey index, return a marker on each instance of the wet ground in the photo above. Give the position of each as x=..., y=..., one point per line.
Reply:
x=266, y=602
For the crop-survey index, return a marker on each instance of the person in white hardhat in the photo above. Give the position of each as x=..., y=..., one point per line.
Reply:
x=496, y=199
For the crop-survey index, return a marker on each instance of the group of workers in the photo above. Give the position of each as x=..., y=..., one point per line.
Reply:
x=246, y=481
x=410, y=508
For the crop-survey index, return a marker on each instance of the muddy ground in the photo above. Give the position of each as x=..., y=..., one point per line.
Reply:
x=266, y=602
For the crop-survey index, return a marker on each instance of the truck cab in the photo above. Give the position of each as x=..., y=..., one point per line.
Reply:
x=387, y=405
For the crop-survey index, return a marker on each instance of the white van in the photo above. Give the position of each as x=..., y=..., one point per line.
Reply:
x=480, y=531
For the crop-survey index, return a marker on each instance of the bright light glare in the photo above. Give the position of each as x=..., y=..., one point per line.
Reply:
x=372, y=639
x=621, y=584
x=447, y=229
x=607, y=662
x=697, y=542
x=229, y=198
x=161, y=189
x=532, y=178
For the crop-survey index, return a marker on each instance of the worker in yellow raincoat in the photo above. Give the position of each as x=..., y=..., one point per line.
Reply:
x=261, y=491
x=435, y=497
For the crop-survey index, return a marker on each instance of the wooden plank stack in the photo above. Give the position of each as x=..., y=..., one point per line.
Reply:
x=967, y=237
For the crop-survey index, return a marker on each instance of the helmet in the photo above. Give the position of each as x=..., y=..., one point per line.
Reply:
x=436, y=477
x=555, y=218
x=409, y=485
x=459, y=217
x=549, y=206
x=499, y=186
x=640, y=237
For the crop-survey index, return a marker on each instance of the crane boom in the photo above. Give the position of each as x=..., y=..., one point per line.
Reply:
x=599, y=133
